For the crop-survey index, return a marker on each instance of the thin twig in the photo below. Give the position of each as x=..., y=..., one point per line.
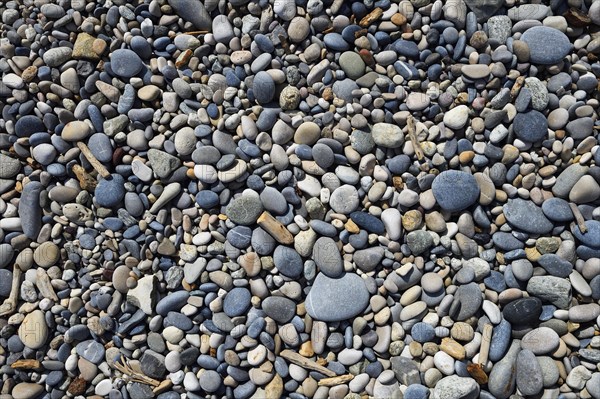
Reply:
x=301, y=361
x=578, y=217
x=412, y=134
x=92, y=159
x=134, y=376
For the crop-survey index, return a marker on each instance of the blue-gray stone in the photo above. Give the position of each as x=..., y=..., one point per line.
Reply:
x=173, y=301
x=91, y=351
x=467, y=302
x=523, y=311
x=288, y=261
x=27, y=125
x=237, y=302
x=591, y=238
x=501, y=337
x=407, y=48
x=527, y=216
x=555, y=265
x=416, y=391
x=240, y=236
x=531, y=126
x=279, y=308
x=5, y=282
x=110, y=192
x=29, y=209
x=368, y=222
x=335, y=42
x=101, y=147
x=506, y=241
x=455, y=190
x=193, y=11
x=125, y=63
x=263, y=87
x=207, y=199
x=547, y=45
x=557, y=209
x=328, y=299
x=422, y=332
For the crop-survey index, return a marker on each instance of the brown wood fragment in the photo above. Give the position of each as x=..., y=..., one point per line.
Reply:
x=301, y=361
x=486, y=339
x=412, y=134
x=194, y=32
x=97, y=165
x=26, y=364
x=333, y=381
x=371, y=17
x=514, y=92
x=578, y=218
x=476, y=371
x=275, y=228
x=86, y=182
x=133, y=375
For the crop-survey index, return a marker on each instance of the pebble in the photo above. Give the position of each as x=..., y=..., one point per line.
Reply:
x=444, y=184
x=326, y=300
x=538, y=38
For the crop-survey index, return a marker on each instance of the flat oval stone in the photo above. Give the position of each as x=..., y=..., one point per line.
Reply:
x=327, y=257
x=531, y=126
x=527, y=216
x=125, y=63
x=530, y=379
x=33, y=331
x=280, y=309
x=328, y=299
x=455, y=190
x=288, y=261
x=591, y=237
x=523, y=311
x=558, y=210
x=244, y=210
x=237, y=302
x=541, y=341
x=555, y=265
x=547, y=46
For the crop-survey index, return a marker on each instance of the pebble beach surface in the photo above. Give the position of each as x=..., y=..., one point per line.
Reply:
x=299, y=198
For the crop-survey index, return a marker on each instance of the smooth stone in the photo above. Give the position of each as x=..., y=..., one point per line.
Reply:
x=467, y=301
x=33, y=331
x=27, y=390
x=591, y=237
x=110, y=192
x=10, y=167
x=448, y=198
x=457, y=117
x=280, y=309
x=91, y=351
x=352, y=64
x=327, y=257
x=552, y=289
x=523, y=311
x=29, y=209
x=387, y=135
x=529, y=373
x=547, y=46
x=263, y=87
x=288, y=261
x=567, y=179
x=555, y=265
x=541, y=341
x=244, y=210
x=558, y=210
x=531, y=126
x=344, y=199
x=328, y=301
x=125, y=63
x=526, y=216
x=193, y=11
x=455, y=387
x=237, y=302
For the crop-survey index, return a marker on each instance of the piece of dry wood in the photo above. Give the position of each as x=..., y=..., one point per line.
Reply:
x=578, y=218
x=514, y=91
x=301, y=361
x=133, y=375
x=275, y=228
x=412, y=134
x=26, y=364
x=85, y=150
x=333, y=381
x=86, y=181
x=371, y=17
x=486, y=339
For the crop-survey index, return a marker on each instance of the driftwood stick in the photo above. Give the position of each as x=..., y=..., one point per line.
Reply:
x=578, y=217
x=333, y=381
x=85, y=150
x=412, y=134
x=275, y=228
x=301, y=361
x=486, y=339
